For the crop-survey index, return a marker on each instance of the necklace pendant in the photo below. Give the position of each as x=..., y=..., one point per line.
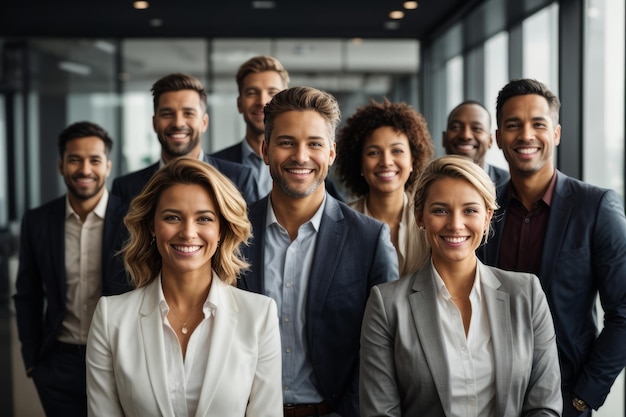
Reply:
x=184, y=330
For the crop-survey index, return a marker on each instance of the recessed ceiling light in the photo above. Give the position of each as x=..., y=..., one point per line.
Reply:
x=141, y=5
x=410, y=5
x=262, y=4
x=391, y=25
x=396, y=14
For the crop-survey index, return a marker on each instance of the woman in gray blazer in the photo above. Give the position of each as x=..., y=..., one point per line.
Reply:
x=186, y=342
x=458, y=338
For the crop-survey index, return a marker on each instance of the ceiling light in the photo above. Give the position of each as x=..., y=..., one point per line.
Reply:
x=391, y=25
x=141, y=5
x=396, y=14
x=410, y=5
x=75, y=68
x=263, y=4
x=105, y=46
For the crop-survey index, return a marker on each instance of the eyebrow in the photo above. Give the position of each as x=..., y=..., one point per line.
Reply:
x=175, y=211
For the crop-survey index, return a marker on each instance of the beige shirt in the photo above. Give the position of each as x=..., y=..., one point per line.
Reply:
x=83, y=270
x=412, y=250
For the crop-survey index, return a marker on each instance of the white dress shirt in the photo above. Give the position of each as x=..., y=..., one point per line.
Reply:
x=470, y=359
x=186, y=376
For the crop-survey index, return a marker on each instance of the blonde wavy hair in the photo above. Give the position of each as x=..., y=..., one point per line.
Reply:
x=141, y=257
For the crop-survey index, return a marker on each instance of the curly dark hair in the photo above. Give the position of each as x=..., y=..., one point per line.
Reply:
x=360, y=126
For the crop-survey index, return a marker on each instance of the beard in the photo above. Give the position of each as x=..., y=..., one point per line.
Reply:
x=174, y=151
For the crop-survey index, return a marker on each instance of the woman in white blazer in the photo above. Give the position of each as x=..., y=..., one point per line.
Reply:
x=186, y=342
x=458, y=338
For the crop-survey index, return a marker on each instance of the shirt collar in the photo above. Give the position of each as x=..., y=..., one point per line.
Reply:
x=547, y=195
x=100, y=209
x=210, y=304
x=315, y=220
x=442, y=290
x=247, y=151
x=200, y=158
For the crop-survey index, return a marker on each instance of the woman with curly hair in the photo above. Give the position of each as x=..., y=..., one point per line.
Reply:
x=186, y=342
x=381, y=151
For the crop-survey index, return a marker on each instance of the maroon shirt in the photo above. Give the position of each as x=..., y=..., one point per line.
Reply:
x=524, y=231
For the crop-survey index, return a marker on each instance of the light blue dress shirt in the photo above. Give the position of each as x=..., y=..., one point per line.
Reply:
x=287, y=269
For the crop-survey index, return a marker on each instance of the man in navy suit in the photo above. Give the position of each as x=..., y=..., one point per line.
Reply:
x=66, y=262
x=179, y=120
x=570, y=234
x=315, y=256
x=258, y=80
x=468, y=133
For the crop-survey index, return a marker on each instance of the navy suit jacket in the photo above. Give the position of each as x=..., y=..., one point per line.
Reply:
x=41, y=282
x=353, y=253
x=584, y=254
x=234, y=153
x=499, y=176
x=130, y=185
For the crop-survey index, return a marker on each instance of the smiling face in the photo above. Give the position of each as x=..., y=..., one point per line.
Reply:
x=186, y=229
x=468, y=133
x=528, y=135
x=386, y=161
x=257, y=90
x=85, y=168
x=455, y=218
x=179, y=122
x=299, y=153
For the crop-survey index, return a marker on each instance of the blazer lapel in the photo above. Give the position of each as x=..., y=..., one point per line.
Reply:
x=423, y=302
x=560, y=212
x=56, y=229
x=152, y=334
x=253, y=280
x=499, y=314
x=224, y=325
x=330, y=240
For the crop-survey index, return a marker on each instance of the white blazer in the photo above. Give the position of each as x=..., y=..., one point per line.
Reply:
x=126, y=372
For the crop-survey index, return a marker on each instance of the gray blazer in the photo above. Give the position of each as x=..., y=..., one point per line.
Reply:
x=403, y=365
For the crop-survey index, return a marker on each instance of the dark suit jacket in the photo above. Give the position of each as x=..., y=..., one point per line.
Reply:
x=352, y=254
x=234, y=153
x=41, y=282
x=130, y=185
x=584, y=254
x=499, y=176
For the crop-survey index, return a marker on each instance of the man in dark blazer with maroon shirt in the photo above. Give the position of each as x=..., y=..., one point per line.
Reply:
x=570, y=234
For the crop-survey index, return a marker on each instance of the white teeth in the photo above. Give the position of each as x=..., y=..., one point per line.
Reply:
x=300, y=171
x=386, y=174
x=527, y=151
x=179, y=136
x=452, y=239
x=187, y=249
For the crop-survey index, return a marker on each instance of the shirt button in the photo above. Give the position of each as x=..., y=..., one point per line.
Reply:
x=526, y=220
x=288, y=285
x=286, y=319
x=288, y=350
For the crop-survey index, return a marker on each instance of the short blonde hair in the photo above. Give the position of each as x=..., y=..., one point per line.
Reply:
x=141, y=257
x=455, y=166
